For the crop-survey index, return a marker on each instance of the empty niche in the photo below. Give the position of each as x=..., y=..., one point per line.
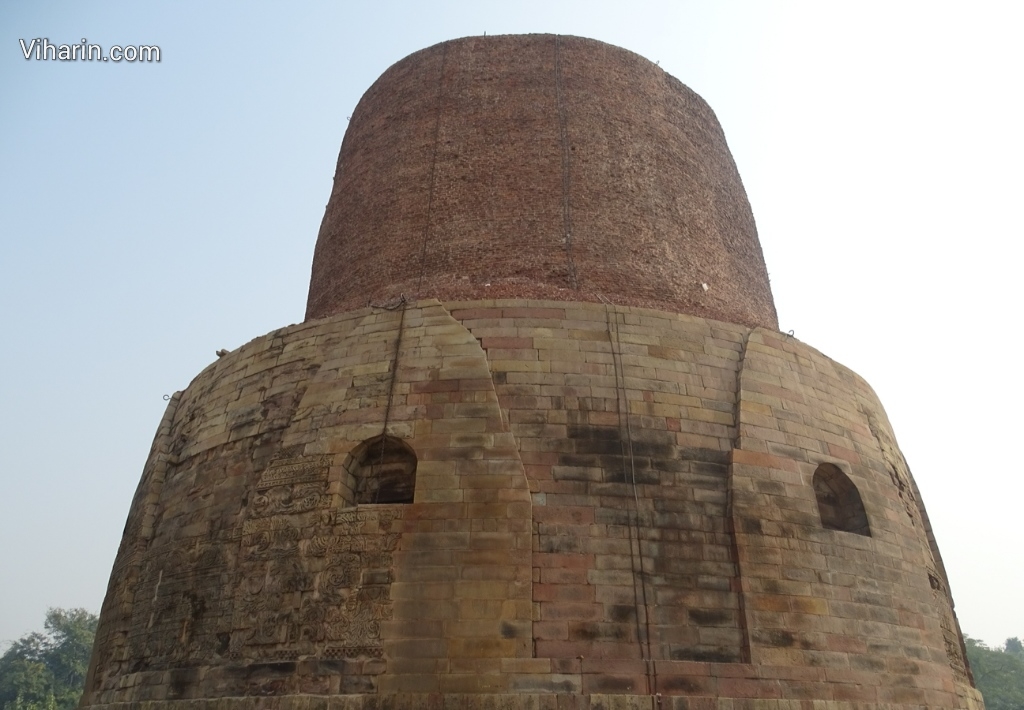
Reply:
x=383, y=470
x=839, y=502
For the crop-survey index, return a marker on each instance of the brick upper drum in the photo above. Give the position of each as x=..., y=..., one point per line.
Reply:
x=538, y=166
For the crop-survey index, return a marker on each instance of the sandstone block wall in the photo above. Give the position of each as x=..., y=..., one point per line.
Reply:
x=612, y=505
x=538, y=166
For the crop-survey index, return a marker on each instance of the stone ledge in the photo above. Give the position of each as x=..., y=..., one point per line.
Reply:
x=504, y=701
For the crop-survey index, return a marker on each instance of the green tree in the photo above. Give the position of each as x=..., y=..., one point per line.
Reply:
x=998, y=673
x=1014, y=647
x=46, y=671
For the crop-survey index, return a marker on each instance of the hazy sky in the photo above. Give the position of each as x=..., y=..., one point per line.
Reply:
x=152, y=213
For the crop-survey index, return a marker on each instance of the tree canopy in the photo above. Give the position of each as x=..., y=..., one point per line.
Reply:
x=46, y=671
x=998, y=673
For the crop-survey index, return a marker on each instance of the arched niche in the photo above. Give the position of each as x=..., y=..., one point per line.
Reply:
x=839, y=502
x=382, y=470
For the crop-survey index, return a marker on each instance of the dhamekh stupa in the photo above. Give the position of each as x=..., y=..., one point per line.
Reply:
x=538, y=444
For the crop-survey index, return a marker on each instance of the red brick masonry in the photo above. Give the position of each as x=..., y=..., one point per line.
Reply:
x=466, y=165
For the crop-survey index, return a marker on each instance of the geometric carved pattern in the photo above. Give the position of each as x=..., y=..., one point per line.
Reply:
x=292, y=486
x=311, y=581
x=304, y=469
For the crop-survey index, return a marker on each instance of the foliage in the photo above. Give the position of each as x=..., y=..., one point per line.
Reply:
x=998, y=673
x=46, y=671
x=1014, y=646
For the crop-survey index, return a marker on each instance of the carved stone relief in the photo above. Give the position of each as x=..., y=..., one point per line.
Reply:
x=312, y=581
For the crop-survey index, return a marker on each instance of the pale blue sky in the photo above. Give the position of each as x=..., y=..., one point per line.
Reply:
x=151, y=214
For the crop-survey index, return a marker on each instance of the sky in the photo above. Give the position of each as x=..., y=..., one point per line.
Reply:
x=153, y=213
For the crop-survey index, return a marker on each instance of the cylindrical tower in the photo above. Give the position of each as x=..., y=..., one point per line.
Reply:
x=538, y=167
x=538, y=443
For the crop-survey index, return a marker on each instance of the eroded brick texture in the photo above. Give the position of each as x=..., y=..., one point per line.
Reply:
x=611, y=505
x=538, y=166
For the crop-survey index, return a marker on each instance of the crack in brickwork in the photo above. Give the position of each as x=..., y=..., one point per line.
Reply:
x=563, y=134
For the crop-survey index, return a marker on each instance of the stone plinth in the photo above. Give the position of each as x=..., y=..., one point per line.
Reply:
x=610, y=503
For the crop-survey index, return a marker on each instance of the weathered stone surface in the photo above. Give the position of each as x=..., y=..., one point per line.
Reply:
x=631, y=517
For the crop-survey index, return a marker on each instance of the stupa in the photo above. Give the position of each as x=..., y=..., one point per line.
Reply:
x=538, y=443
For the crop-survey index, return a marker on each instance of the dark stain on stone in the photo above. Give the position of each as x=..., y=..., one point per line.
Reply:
x=708, y=617
x=693, y=453
x=751, y=526
x=181, y=680
x=775, y=637
x=707, y=655
x=622, y=612
x=613, y=684
x=679, y=684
